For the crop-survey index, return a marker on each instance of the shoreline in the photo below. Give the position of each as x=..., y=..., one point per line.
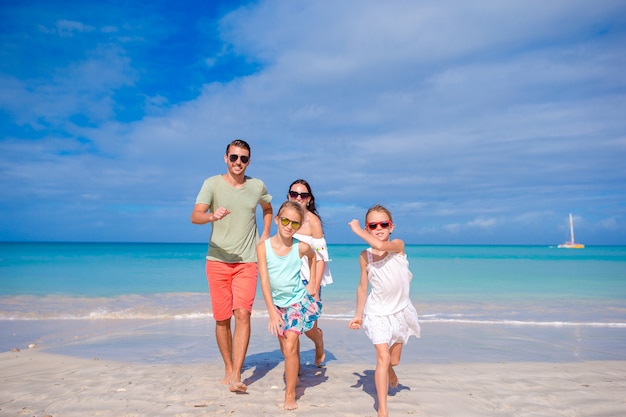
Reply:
x=192, y=341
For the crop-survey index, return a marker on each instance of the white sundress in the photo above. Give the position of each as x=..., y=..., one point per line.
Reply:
x=389, y=316
x=321, y=252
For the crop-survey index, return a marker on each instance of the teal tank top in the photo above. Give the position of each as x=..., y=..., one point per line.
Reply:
x=284, y=273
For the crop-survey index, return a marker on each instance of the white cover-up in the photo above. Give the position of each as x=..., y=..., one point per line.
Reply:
x=321, y=252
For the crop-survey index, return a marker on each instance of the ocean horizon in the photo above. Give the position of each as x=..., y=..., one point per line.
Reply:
x=480, y=296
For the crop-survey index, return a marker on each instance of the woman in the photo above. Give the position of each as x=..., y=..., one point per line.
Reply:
x=312, y=233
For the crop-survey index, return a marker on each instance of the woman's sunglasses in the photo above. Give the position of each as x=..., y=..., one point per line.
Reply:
x=233, y=158
x=384, y=224
x=295, y=194
x=285, y=222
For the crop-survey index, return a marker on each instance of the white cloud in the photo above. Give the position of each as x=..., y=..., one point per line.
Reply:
x=465, y=115
x=483, y=223
x=611, y=223
x=67, y=28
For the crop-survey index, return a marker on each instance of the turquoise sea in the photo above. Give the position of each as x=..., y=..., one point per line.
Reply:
x=533, y=285
x=150, y=303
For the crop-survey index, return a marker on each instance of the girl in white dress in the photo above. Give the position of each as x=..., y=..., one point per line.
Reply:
x=387, y=315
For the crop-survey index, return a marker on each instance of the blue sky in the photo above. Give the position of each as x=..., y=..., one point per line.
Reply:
x=483, y=122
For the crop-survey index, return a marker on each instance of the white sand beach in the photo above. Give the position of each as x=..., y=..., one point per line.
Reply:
x=106, y=375
x=36, y=383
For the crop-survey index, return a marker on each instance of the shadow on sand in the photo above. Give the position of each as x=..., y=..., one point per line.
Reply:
x=368, y=384
x=310, y=375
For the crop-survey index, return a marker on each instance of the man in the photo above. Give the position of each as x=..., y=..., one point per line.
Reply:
x=229, y=202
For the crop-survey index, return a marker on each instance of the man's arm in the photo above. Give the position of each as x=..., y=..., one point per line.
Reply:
x=201, y=214
x=267, y=220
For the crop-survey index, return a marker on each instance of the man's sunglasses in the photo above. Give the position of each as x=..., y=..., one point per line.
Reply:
x=295, y=194
x=285, y=222
x=384, y=224
x=233, y=158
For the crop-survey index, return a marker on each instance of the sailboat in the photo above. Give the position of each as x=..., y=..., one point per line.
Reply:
x=572, y=243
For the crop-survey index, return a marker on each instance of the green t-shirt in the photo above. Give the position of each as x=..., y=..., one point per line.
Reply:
x=233, y=238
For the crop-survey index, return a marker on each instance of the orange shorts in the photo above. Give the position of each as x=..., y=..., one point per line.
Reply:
x=231, y=286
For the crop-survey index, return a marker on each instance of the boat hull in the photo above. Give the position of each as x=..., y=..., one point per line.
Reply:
x=571, y=246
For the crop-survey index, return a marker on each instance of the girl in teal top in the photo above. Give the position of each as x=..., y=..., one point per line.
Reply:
x=290, y=304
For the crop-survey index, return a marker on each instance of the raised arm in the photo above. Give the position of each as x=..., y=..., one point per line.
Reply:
x=396, y=245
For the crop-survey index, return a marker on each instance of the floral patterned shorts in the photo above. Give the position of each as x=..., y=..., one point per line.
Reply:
x=300, y=317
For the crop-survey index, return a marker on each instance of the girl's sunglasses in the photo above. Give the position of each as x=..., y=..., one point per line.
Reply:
x=233, y=158
x=384, y=224
x=285, y=222
x=295, y=194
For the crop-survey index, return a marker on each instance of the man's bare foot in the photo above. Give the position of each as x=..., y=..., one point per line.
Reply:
x=228, y=376
x=237, y=387
x=393, y=378
x=320, y=355
x=290, y=404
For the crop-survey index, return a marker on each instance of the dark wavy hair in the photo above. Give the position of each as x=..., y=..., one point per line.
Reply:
x=311, y=204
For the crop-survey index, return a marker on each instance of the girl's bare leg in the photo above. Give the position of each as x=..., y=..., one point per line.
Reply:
x=381, y=377
x=393, y=378
x=317, y=337
x=289, y=345
x=395, y=351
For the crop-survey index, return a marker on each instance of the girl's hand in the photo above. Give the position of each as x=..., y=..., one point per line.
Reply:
x=310, y=288
x=355, y=323
x=354, y=225
x=276, y=324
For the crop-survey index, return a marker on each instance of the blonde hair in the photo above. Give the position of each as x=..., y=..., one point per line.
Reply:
x=294, y=205
x=378, y=207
